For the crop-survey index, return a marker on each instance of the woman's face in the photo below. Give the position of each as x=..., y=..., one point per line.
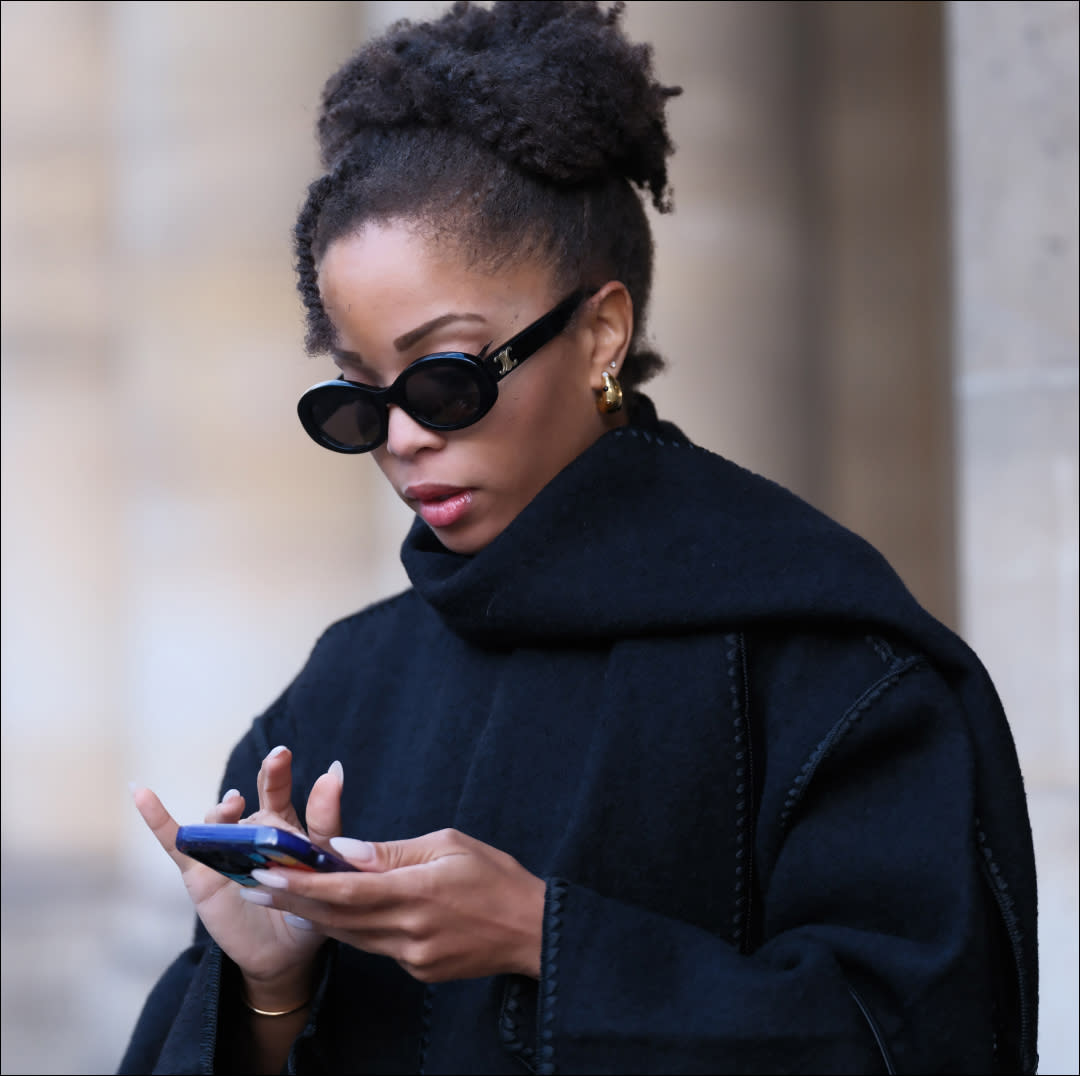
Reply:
x=393, y=297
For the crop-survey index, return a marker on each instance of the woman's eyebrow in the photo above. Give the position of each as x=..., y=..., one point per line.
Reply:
x=340, y=354
x=413, y=336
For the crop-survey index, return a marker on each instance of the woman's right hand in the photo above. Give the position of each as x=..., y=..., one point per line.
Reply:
x=275, y=952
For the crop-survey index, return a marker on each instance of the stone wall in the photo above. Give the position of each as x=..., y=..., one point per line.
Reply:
x=1013, y=123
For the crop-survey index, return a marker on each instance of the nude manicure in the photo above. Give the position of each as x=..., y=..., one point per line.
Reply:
x=269, y=879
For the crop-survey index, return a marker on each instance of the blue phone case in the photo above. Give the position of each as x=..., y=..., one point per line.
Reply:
x=234, y=850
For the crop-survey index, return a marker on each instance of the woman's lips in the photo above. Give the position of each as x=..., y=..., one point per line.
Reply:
x=437, y=505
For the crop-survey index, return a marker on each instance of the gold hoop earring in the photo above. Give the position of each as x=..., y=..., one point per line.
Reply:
x=609, y=398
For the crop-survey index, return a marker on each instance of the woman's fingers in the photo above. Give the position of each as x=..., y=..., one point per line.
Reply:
x=269, y=945
x=392, y=855
x=275, y=784
x=160, y=822
x=230, y=809
x=443, y=905
x=324, y=806
x=201, y=881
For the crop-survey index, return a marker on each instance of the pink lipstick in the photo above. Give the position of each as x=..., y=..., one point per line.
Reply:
x=438, y=505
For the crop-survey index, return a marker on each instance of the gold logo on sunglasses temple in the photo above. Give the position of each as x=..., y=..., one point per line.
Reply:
x=504, y=362
x=453, y=390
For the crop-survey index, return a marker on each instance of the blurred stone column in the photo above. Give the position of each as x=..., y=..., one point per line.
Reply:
x=802, y=283
x=1014, y=138
x=65, y=580
x=729, y=299
x=245, y=540
x=878, y=281
x=63, y=560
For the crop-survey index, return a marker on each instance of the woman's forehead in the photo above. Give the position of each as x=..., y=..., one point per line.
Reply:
x=403, y=275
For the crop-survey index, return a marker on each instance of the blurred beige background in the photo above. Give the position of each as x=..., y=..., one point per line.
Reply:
x=868, y=292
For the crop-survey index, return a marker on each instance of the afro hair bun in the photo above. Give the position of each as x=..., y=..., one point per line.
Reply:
x=553, y=88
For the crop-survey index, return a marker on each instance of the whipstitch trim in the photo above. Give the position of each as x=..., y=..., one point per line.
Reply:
x=509, y=1027
x=846, y=723
x=651, y=438
x=425, y=1028
x=743, y=792
x=211, y=1005
x=1000, y=889
x=549, y=978
x=883, y=651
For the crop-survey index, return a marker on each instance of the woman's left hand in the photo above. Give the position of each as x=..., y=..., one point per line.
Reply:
x=444, y=906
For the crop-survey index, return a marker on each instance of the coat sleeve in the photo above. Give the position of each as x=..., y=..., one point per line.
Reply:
x=178, y=1017
x=873, y=944
x=192, y=1020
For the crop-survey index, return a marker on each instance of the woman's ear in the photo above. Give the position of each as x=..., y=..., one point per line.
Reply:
x=610, y=314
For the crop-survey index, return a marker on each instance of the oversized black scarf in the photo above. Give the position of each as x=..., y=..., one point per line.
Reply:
x=647, y=534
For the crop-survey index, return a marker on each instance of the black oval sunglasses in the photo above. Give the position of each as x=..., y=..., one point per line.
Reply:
x=446, y=391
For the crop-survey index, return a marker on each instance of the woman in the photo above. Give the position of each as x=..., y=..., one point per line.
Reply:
x=653, y=768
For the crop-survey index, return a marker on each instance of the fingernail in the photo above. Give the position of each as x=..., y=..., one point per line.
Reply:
x=270, y=879
x=255, y=896
x=338, y=771
x=297, y=921
x=351, y=848
x=277, y=750
x=233, y=793
x=133, y=787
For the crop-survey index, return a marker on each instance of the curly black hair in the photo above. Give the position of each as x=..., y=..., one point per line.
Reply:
x=519, y=130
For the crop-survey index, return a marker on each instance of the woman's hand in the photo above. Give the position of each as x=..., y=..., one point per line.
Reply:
x=444, y=906
x=275, y=950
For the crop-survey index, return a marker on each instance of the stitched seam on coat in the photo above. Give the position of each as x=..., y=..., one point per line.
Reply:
x=211, y=1010
x=425, y=1028
x=1007, y=907
x=740, y=740
x=651, y=438
x=883, y=651
x=510, y=1029
x=854, y=713
x=549, y=972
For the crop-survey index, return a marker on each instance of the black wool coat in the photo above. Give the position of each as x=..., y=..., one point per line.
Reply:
x=776, y=804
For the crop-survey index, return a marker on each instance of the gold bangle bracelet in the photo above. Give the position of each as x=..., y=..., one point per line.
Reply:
x=269, y=1012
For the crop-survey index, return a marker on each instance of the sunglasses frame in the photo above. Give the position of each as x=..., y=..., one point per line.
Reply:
x=487, y=369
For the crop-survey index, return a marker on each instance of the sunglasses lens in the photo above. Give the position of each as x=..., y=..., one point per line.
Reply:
x=446, y=395
x=343, y=419
x=442, y=392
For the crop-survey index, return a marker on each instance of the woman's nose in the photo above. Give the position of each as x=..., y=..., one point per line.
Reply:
x=405, y=436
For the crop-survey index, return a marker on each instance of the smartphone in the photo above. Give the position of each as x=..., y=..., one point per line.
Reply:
x=234, y=850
